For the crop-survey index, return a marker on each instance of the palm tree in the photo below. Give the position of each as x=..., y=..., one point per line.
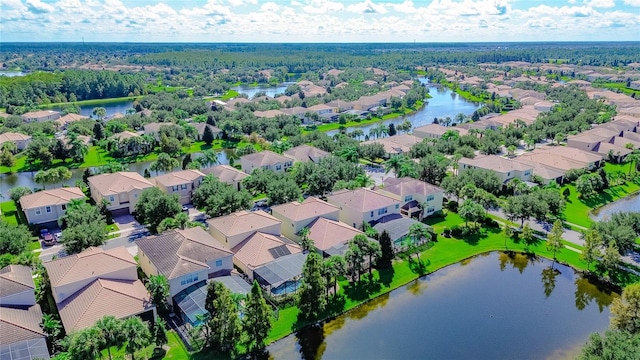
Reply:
x=111, y=330
x=633, y=159
x=53, y=329
x=86, y=344
x=137, y=333
x=364, y=180
x=455, y=163
x=305, y=242
x=9, y=146
x=394, y=163
x=158, y=288
x=208, y=158
x=334, y=267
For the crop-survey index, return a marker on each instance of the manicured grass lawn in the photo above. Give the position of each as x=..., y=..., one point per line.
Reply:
x=176, y=351
x=578, y=210
x=11, y=214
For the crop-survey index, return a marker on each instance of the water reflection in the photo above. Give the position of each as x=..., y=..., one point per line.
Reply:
x=478, y=311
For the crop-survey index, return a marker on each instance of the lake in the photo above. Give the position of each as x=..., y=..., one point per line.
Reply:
x=628, y=204
x=12, y=73
x=271, y=91
x=443, y=103
x=493, y=306
x=112, y=108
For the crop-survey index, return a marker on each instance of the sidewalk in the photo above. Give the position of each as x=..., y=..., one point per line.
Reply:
x=568, y=235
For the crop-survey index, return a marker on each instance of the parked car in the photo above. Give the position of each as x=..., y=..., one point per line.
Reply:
x=47, y=237
x=57, y=236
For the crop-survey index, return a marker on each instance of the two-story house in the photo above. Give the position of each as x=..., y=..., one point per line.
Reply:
x=232, y=229
x=417, y=198
x=21, y=140
x=227, y=174
x=363, y=205
x=435, y=131
x=21, y=336
x=505, y=169
x=48, y=206
x=95, y=283
x=266, y=160
x=305, y=153
x=295, y=215
x=121, y=190
x=184, y=257
x=181, y=183
x=40, y=116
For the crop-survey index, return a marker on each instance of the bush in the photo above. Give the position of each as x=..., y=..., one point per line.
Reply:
x=456, y=231
x=438, y=215
x=489, y=222
x=452, y=206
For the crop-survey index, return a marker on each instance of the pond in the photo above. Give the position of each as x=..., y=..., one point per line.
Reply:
x=628, y=204
x=12, y=73
x=271, y=91
x=494, y=306
x=9, y=181
x=443, y=103
x=111, y=107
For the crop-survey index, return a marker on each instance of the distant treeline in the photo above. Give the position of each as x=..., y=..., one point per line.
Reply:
x=301, y=58
x=70, y=85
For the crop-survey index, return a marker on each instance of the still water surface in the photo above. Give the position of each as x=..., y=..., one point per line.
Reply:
x=494, y=306
x=628, y=204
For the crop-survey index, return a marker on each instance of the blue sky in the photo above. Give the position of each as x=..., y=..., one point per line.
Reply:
x=319, y=20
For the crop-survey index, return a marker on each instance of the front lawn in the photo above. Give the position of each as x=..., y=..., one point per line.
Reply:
x=11, y=214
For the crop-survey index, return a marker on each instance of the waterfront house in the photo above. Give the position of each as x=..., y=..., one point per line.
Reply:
x=226, y=174
x=184, y=257
x=200, y=126
x=120, y=189
x=181, y=183
x=266, y=160
x=328, y=234
x=40, y=116
x=417, y=198
x=305, y=153
x=48, y=206
x=435, y=131
x=261, y=248
x=65, y=120
x=21, y=140
x=505, y=169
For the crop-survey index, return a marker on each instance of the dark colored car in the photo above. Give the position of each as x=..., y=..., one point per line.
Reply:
x=47, y=237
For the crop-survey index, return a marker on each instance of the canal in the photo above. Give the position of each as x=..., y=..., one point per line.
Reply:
x=494, y=306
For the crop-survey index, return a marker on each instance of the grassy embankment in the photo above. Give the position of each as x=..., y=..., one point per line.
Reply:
x=176, y=351
x=578, y=210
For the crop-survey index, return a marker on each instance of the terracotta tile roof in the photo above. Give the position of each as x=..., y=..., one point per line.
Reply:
x=304, y=153
x=266, y=157
x=603, y=148
x=124, y=135
x=572, y=153
x=116, y=183
x=119, y=298
x=201, y=126
x=406, y=185
x=178, y=177
x=155, y=126
x=39, y=114
x=69, y=118
x=12, y=136
x=243, y=221
x=327, y=233
x=495, y=163
x=20, y=325
x=15, y=279
x=319, y=107
x=553, y=160
x=179, y=252
x=361, y=200
x=311, y=207
x=59, y=196
x=91, y=263
x=225, y=173
x=267, y=113
x=261, y=248
x=296, y=110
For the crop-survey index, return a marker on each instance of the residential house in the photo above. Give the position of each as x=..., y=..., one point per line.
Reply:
x=200, y=126
x=267, y=114
x=417, y=198
x=395, y=145
x=363, y=205
x=233, y=104
x=435, y=131
x=300, y=112
x=120, y=189
x=295, y=215
x=65, y=120
x=21, y=140
x=21, y=336
x=184, y=257
x=505, y=169
x=17, y=286
x=321, y=109
x=154, y=128
x=282, y=275
x=83, y=283
x=589, y=140
x=48, y=206
x=328, y=234
x=552, y=159
x=40, y=116
x=232, y=229
x=306, y=153
x=261, y=248
x=591, y=159
x=340, y=105
x=543, y=106
x=227, y=174
x=123, y=135
x=547, y=173
x=266, y=160
x=181, y=183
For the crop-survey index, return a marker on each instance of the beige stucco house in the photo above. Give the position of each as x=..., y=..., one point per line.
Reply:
x=21, y=140
x=505, y=169
x=40, y=116
x=181, y=183
x=363, y=205
x=295, y=215
x=184, y=257
x=121, y=190
x=95, y=283
x=232, y=229
x=306, y=153
x=266, y=160
x=227, y=174
x=417, y=198
x=49, y=205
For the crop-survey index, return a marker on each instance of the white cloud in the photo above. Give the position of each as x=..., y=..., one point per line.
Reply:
x=635, y=3
x=323, y=6
x=604, y=4
x=406, y=7
x=235, y=3
x=367, y=7
x=38, y=7
x=270, y=6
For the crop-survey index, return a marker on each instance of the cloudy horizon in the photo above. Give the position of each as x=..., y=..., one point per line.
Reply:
x=319, y=20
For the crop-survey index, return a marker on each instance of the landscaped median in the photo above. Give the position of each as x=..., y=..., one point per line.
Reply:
x=445, y=252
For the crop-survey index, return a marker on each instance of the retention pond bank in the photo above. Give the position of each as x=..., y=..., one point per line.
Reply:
x=493, y=306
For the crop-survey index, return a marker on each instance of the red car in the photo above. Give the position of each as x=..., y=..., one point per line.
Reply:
x=47, y=237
